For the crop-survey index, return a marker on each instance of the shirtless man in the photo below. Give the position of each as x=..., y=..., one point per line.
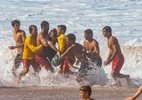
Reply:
x=92, y=48
x=19, y=37
x=77, y=51
x=30, y=49
x=115, y=56
x=41, y=39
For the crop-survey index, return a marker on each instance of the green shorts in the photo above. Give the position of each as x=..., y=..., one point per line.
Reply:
x=55, y=61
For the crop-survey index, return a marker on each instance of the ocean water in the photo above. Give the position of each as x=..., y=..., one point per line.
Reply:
x=124, y=16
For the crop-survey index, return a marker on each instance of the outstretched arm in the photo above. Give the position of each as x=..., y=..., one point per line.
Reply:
x=136, y=95
x=23, y=35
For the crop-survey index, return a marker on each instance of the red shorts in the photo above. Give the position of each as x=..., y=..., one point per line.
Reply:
x=64, y=67
x=117, y=63
x=27, y=63
x=43, y=61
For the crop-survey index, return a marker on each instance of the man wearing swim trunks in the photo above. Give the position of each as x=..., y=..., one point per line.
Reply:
x=30, y=50
x=41, y=39
x=92, y=48
x=19, y=37
x=115, y=56
x=61, y=39
x=77, y=51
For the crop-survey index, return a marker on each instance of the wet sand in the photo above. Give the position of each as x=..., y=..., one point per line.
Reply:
x=64, y=93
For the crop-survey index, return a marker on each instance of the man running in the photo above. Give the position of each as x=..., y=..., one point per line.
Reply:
x=19, y=37
x=92, y=48
x=115, y=56
x=30, y=50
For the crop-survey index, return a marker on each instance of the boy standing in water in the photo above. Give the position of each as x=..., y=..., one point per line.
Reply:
x=85, y=92
x=19, y=37
x=115, y=56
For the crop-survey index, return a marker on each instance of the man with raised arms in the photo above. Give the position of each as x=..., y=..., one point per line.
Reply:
x=92, y=48
x=41, y=39
x=115, y=56
x=19, y=37
x=30, y=50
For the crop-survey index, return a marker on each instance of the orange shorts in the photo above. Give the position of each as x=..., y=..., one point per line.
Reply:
x=27, y=63
x=118, y=63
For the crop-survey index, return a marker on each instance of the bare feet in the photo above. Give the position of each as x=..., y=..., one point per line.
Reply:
x=17, y=81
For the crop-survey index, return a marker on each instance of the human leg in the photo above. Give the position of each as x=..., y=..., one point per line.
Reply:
x=43, y=61
x=26, y=65
x=16, y=64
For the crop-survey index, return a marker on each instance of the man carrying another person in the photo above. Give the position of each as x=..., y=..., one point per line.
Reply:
x=41, y=39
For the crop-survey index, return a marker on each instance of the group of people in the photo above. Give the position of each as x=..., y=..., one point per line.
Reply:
x=40, y=50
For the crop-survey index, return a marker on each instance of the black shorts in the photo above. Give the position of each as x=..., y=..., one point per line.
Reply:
x=17, y=60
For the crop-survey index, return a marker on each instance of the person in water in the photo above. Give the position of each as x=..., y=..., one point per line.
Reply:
x=85, y=92
x=92, y=48
x=19, y=37
x=30, y=50
x=115, y=56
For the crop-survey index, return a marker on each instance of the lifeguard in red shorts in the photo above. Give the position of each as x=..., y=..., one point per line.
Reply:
x=115, y=56
x=30, y=49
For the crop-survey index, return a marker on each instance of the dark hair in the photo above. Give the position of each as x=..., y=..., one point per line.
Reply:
x=44, y=23
x=15, y=22
x=89, y=31
x=54, y=30
x=31, y=28
x=63, y=27
x=71, y=37
x=86, y=89
x=108, y=29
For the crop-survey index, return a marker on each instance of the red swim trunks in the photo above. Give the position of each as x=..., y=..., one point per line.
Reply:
x=27, y=63
x=117, y=63
x=43, y=61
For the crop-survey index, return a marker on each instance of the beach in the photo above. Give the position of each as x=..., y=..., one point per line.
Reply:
x=124, y=16
x=64, y=93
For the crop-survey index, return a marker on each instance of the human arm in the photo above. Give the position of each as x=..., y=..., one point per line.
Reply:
x=66, y=52
x=32, y=46
x=136, y=95
x=52, y=46
x=113, y=51
x=18, y=45
x=96, y=50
